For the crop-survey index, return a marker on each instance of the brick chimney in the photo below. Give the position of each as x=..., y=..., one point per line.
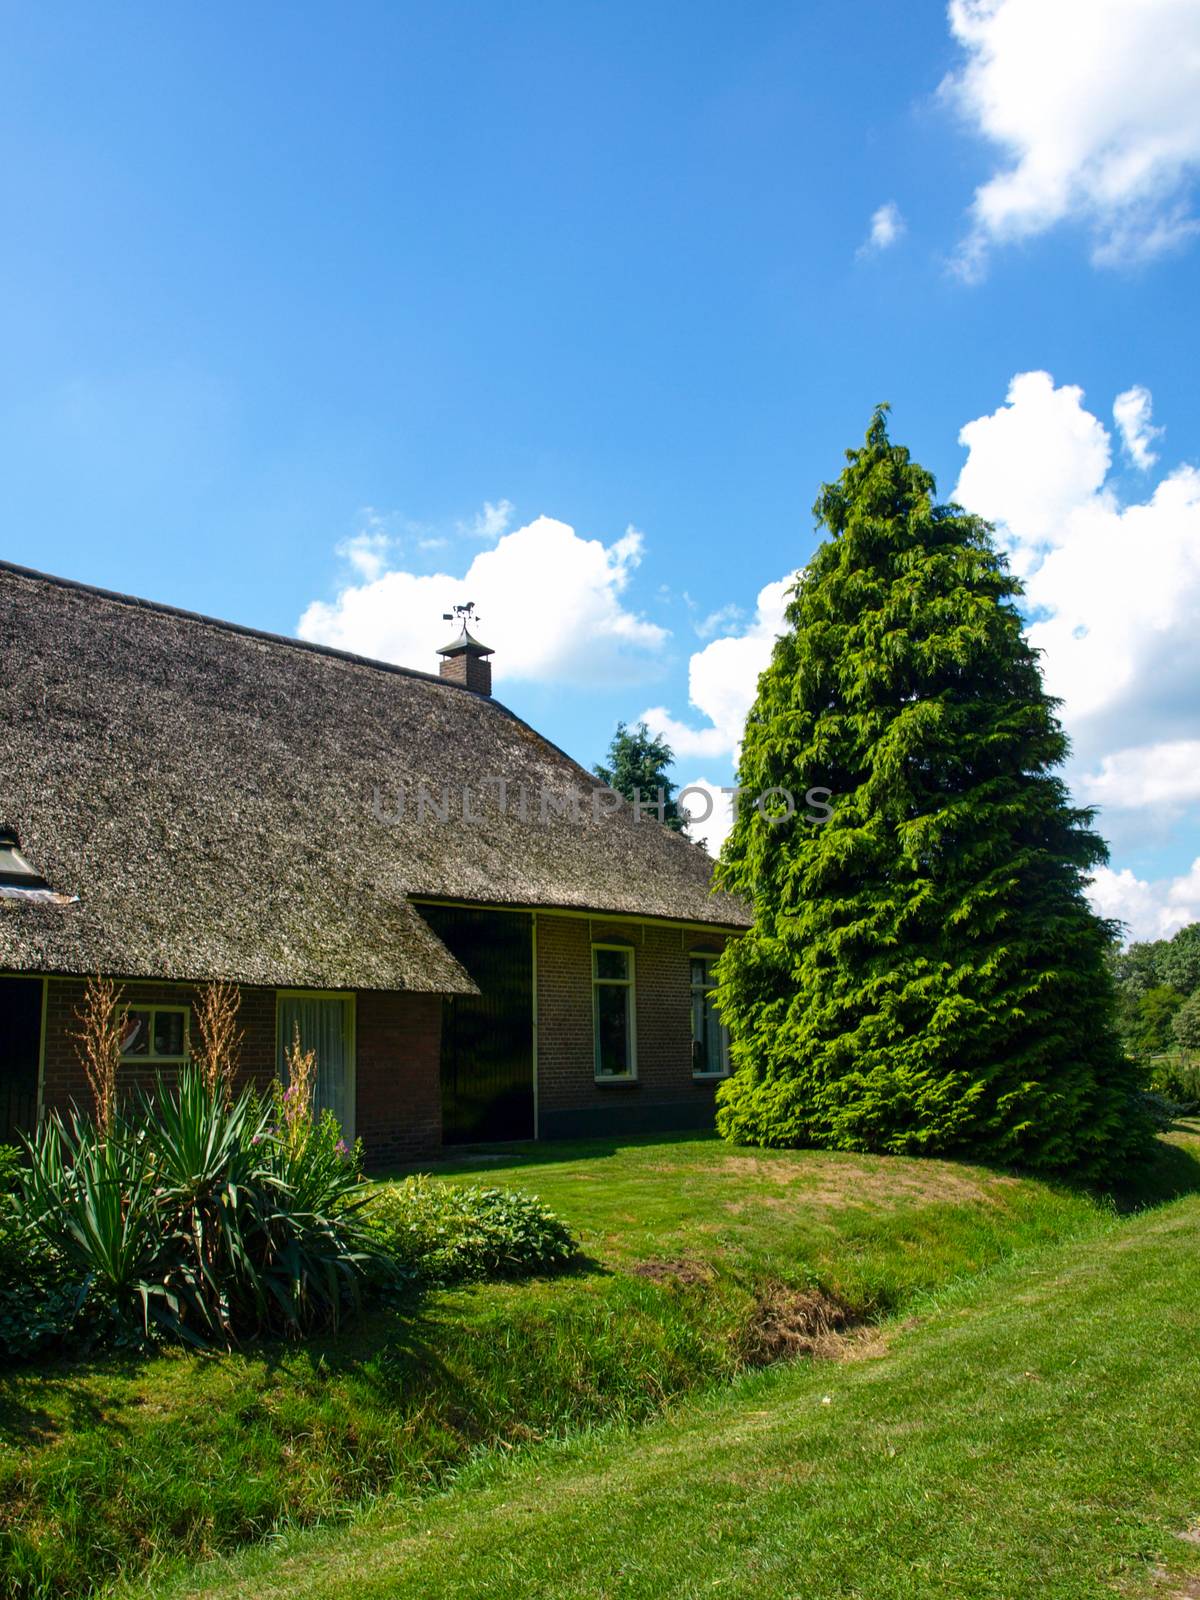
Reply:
x=465, y=661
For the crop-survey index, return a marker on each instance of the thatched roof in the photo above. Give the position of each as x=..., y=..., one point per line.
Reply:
x=207, y=791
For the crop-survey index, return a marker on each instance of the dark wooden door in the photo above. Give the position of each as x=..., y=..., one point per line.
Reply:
x=20, y=1052
x=487, y=1039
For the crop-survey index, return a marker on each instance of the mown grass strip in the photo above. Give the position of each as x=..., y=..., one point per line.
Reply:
x=1036, y=1437
x=122, y=1465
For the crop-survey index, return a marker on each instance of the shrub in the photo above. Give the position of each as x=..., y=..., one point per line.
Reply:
x=195, y=1218
x=39, y=1301
x=1177, y=1079
x=440, y=1233
x=1185, y=1024
x=10, y=1169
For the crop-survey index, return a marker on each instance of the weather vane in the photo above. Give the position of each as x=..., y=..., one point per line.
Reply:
x=464, y=614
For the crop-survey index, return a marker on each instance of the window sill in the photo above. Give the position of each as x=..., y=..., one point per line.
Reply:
x=629, y=1082
x=710, y=1077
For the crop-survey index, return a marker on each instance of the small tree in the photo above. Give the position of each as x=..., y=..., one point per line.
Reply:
x=1181, y=960
x=101, y=1020
x=220, y=1052
x=924, y=972
x=637, y=768
x=1152, y=1021
x=1185, y=1025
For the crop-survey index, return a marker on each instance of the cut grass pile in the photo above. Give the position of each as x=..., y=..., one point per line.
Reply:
x=695, y=1252
x=1034, y=1434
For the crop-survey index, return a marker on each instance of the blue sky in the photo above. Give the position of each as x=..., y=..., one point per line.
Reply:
x=291, y=296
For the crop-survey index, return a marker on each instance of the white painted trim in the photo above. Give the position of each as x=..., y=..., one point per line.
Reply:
x=41, y=1092
x=537, y=1130
x=349, y=1131
x=151, y=1007
x=727, y=1070
x=43, y=979
x=630, y=987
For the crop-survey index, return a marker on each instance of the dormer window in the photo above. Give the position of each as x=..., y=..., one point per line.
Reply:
x=18, y=879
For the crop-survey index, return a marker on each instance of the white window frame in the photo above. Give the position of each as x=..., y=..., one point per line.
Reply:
x=148, y=1054
x=708, y=957
x=629, y=984
x=349, y=1128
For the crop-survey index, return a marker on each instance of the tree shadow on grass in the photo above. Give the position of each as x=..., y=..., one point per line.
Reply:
x=54, y=1395
x=475, y=1160
x=1171, y=1172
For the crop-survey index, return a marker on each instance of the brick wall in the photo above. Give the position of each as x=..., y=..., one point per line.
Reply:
x=665, y=1094
x=398, y=1036
x=399, y=1076
x=63, y=1079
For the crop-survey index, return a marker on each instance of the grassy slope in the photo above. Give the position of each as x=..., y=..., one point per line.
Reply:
x=1035, y=1435
x=121, y=1463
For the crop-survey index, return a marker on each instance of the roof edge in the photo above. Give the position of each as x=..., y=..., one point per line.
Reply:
x=242, y=628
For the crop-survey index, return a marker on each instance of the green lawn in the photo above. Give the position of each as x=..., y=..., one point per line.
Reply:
x=124, y=1464
x=1035, y=1435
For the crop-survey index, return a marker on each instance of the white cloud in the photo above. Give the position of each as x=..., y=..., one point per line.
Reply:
x=1096, y=106
x=1033, y=462
x=887, y=227
x=491, y=522
x=1114, y=597
x=1149, y=910
x=1132, y=410
x=367, y=550
x=550, y=604
x=715, y=808
x=723, y=680
x=1164, y=776
x=1114, y=590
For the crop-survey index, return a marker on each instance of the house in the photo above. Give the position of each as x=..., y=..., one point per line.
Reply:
x=477, y=938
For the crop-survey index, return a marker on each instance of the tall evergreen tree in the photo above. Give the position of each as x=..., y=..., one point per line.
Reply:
x=924, y=973
x=638, y=764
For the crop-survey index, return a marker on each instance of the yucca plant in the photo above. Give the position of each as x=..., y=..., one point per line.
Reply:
x=195, y=1218
x=87, y=1195
x=209, y=1192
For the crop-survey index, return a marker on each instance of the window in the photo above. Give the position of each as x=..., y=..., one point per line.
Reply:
x=155, y=1033
x=613, y=1018
x=710, y=1037
x=326, y=1023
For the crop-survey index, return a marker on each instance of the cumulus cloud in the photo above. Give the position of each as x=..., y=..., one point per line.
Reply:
x=1095, y=105
x=551, y=605
x=887, y=228
x=723, y=680
x=1132, y=410
x=1114, y=600
x=710, y=812
x=1164, y=776
x=1149, y=910
x=1114, y=590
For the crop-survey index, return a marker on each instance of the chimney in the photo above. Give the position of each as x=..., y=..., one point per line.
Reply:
x=465, y=660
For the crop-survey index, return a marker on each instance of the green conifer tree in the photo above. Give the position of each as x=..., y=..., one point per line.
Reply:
x=924, y=973
x=638, y=767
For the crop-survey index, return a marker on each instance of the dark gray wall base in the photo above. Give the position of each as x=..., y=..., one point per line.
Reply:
x=601, y=1122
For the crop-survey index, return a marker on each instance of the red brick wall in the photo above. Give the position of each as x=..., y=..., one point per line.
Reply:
x=665, y=1093
x=399, y=1092
x=398, y=1110
x=63, y=1079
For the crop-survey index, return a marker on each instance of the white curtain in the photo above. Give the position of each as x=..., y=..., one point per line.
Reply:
x=325, y=1027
